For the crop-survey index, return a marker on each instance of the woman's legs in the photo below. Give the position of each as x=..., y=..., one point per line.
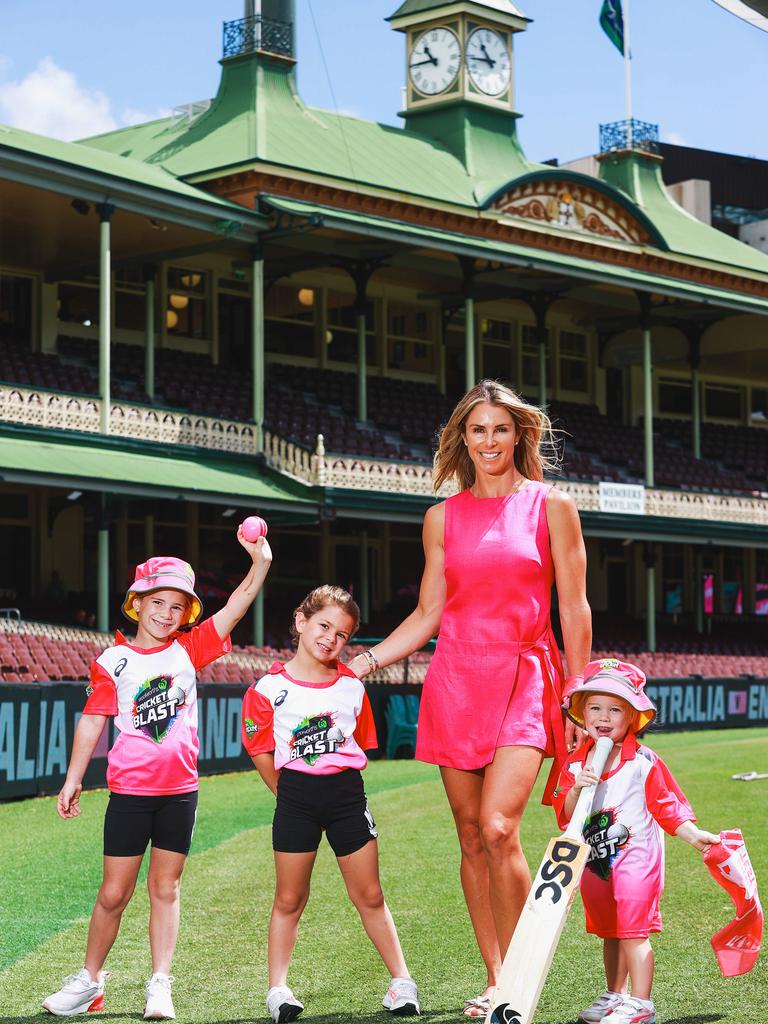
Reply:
x=464, y=791
x=639, y=960
x=164, y=885
x=361, y=877
x=292, y=874
x=118, y=883
x=506, y=789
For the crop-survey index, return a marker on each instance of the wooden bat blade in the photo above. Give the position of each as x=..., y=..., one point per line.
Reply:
x=529, y=956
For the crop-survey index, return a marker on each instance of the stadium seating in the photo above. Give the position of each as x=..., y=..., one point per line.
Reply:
x=404, y=416
x=31, y=652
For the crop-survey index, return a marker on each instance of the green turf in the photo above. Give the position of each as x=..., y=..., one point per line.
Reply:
x=51, y=869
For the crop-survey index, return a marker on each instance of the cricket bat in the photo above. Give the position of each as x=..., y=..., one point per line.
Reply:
x=529, y=957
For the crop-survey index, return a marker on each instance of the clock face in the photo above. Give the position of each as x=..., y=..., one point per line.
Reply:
x=434, y=61
x=488, y=61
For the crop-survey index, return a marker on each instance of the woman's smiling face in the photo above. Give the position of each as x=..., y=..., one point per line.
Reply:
x=490, y=436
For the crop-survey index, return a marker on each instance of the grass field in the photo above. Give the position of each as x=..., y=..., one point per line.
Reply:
x=51, y=870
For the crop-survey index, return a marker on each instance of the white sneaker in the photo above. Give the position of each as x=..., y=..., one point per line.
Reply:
x=632, y=1011
x=158, y=1002
x=602, y=1006
x=282, y=1004
x=79, y=994
x=402, y=998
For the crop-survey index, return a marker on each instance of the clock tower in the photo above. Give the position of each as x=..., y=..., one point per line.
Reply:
x=459, y=76
x=458, y=52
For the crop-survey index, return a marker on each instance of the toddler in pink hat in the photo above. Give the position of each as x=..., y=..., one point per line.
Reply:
x=148, y=685
x=636, y=797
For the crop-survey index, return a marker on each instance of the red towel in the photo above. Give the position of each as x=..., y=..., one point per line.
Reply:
x=737, y=945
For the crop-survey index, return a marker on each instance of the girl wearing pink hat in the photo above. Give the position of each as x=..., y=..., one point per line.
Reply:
x=149, y=686
x=636, y=798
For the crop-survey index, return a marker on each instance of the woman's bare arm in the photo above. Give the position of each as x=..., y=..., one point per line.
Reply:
x=422, y=624
x=570, y=561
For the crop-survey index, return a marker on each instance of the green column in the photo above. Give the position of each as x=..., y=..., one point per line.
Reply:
x=650, y=597
x=696, y=411
x=257, y=343
x=543, y=372
x=149, y=331
x=102, y=584
x=149, y=536
x=470, y=376
x=258, y=618
x=362, y=376
x=365, y=582
x=105, y=312
x=648, y=404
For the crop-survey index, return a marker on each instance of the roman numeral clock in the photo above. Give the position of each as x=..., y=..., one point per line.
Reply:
x=458, y=52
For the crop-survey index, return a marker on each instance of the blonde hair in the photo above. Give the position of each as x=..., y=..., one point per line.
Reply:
x=535, y=453
x=322, y=597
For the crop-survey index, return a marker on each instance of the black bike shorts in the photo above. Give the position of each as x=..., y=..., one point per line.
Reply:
x=308, y=805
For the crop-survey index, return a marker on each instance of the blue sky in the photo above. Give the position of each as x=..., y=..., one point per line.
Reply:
x=75, y=68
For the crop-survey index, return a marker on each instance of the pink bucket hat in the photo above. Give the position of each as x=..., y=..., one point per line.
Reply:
x=619, y=679
x=163, y=573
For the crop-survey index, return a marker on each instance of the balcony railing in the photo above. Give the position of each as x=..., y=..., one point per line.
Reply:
x=257, y=33
x=632, y=134
x=55, y=410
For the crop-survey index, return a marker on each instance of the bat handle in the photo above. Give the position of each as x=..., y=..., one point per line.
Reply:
x=603, y=748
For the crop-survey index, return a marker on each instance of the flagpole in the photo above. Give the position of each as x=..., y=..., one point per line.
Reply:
x=627, y=75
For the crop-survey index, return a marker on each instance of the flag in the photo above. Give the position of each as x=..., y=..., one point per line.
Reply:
x=750, y=11
x=737, y=945
x=612, y=23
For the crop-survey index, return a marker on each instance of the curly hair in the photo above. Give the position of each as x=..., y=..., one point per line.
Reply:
x=322, y=597
x=535, y=454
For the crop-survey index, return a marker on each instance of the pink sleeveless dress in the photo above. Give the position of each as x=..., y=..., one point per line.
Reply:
x=496, y=677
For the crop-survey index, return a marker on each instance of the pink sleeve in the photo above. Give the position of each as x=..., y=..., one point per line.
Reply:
x=102, y=694
x=258, y=723
x=365, y=730
x=204, y=645
x=666, y=801
x=564, y=786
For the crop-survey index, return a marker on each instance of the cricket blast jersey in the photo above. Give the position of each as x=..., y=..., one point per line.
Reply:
x=153, y=696
x=624, y=877
x=318, y=728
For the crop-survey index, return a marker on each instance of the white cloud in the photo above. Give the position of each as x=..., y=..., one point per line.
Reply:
x=50, y=101
x=675, y=138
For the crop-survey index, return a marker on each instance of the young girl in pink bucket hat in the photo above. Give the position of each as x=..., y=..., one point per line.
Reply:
x=149, y=686
x=636, y=798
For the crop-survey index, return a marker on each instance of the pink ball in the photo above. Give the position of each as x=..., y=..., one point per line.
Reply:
x=254, y=527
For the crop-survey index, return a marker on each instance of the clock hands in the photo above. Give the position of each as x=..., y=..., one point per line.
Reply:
x=430, y=59
x=486, y=59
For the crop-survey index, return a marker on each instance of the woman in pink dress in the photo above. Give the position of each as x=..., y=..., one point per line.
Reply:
x=491, y=704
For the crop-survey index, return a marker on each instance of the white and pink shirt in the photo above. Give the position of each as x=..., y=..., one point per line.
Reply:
x=624, y=878
x=318, y=728
x=153, y=697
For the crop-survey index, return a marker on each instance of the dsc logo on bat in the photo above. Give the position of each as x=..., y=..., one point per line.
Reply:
x=557, y=871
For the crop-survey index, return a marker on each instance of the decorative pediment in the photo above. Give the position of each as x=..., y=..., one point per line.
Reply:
x=572, y=206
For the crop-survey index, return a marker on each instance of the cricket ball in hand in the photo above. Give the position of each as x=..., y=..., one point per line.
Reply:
x=253, y=527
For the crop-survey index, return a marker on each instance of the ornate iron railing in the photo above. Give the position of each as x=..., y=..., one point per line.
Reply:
x=632, y=134
x=55, y=410
x=257, y=33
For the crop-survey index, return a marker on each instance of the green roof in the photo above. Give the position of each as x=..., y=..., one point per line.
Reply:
x=258, y=117
x=25, y=154
x=453, y=155
x=87, y=464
